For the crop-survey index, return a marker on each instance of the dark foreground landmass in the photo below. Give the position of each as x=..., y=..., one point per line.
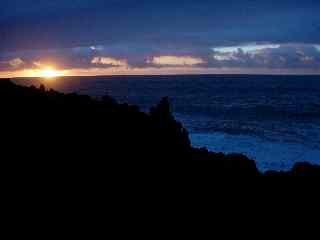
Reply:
x=53, y=135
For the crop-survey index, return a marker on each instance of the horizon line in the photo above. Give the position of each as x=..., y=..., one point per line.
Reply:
x=178, y=74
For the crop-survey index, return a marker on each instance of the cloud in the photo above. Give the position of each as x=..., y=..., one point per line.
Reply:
x=176, y=61
x=243, y=53
x=273, y=56
x=16, y=62
x=11, y=63
x=60, y=23
x=134, y=34
x=249, y=48
x=109, y=61
x=307, y=59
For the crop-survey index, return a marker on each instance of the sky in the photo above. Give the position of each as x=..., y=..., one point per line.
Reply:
x=100, y=37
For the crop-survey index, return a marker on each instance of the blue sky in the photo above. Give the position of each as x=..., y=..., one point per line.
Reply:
x=246, y=36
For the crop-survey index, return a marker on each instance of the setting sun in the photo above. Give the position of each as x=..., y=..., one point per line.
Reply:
x=49, y=73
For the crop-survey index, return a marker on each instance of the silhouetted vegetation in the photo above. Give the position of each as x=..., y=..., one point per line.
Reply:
x=54, y=135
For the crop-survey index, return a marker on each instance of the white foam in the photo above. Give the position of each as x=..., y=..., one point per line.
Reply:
x=268, y=155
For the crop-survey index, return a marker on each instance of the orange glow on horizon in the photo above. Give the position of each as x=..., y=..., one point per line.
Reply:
x=45, y=72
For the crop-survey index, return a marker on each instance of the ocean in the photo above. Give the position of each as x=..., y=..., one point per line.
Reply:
x=274, y=120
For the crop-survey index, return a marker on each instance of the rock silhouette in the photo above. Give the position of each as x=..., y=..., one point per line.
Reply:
x=56, y=136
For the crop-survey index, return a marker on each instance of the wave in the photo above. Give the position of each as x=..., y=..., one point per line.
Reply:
x=268, y=154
